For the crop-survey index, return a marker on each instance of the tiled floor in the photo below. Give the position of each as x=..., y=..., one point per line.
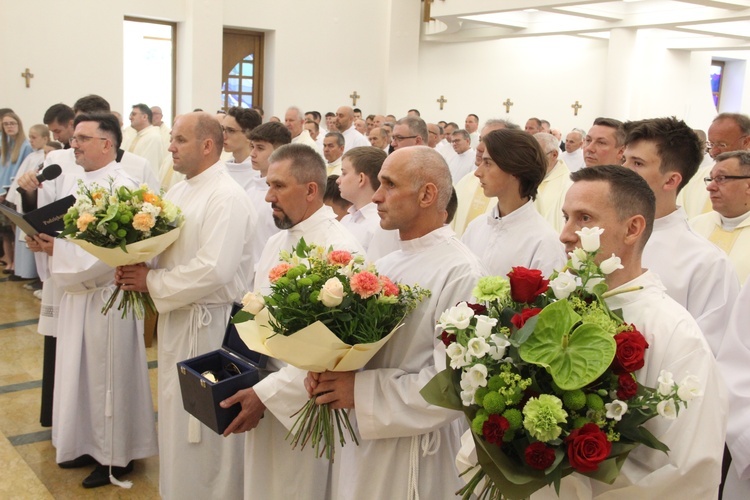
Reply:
x=27, y=458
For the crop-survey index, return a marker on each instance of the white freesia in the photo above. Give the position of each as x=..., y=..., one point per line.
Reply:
x=477, y=347
x=484, y=326
x=608, y=266
x=501, y=343
x=578, y=258
x=589, y=237
x=476, y=376
x=591, y=283
x=253, y=303
x=332, y=293
x=666, y=383
x=564, y=285
x=458, y=317
x=616, y=409
x=667, y=409
x=457, y=354
x=689, y=388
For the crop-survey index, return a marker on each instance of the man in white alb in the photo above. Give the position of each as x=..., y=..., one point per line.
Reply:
x=551, y=192
x=345, y=124
x=147, y=141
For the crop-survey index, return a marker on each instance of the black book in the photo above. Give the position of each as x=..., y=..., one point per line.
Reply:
x=47, y=219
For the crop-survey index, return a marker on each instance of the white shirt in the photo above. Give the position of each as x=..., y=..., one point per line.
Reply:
x=695, y=272
x=574, y=160
x=364, y=224
x=147, y=144
x=353, y=139
x=462, y=164
x=521, y=238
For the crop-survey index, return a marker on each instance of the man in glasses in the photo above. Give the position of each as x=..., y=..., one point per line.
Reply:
x=666, y=152
x=103, y=413
x=409, y=131
x=728, y=225
x=463, y=162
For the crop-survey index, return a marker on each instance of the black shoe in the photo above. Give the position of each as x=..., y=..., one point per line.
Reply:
x=15, y=277
x=100, y=475
x=81, y=461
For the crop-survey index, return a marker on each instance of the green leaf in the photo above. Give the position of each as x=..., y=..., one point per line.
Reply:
x=242, y=316
x=574, y=358
x=441, y=391
x=111, y=213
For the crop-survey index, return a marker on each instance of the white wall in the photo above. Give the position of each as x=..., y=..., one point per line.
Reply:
x=318, y=52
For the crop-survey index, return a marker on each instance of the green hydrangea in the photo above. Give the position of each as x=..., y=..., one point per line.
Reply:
x=542, y=416
x=491, y=288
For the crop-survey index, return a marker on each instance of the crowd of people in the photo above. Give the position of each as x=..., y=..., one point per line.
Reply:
x=433, y=204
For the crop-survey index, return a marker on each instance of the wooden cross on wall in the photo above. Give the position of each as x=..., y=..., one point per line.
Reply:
x=576, y=107
x=508, y=103
x=442, y=101
x=354, y=97
x=28, y=76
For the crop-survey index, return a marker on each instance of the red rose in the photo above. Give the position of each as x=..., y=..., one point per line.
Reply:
x=520, y=319
x=526, y=284
x=587, y=448
x=539, y=456
x=626, y=386
x=631, y=347
x=447, y=338
x=478, y=309
x=494, y=429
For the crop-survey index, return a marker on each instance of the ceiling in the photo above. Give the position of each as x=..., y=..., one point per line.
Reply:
x=711, y=25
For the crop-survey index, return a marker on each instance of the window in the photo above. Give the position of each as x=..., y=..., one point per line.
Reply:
x=717, y=71
x=149, y=63
x=241, y=82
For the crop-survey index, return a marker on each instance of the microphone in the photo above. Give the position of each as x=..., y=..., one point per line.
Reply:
x=49, y=173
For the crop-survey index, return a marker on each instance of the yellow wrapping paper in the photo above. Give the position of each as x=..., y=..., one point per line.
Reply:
x=315, y=348
x=141, y=251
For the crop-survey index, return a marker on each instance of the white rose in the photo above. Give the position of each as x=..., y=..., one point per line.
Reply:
x=477, y=347
x=458, y=317
x=484, y=326
x=689, y=388
x=611, y=265
x=332, y=293
x=666, y=383
x=563, y=285
x=253, y=303
x=476, y=376
x=667, y=409
x=589, y=237
x=616, y=409
x=457, y=354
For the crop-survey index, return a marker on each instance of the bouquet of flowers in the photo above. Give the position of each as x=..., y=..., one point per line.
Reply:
x=544, y=371
x=326, y=311
x=121, y=226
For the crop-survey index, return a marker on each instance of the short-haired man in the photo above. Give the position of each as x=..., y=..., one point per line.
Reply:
x=294, y=120
x=103, y=412
x=357, y=113
x=331, y=122
x=551, y=192
x=545, y=126
x=146, y=142
x=728, y=225
x=413, y=197
x=409, y=131
x=604, y=143
x=573, y=154
x=379, y=138
x=345, y=125
x=314, y=129
x=237, y=126
x=297, y=180
x=471, y=125
x=193, y=285
x=360, y=126
x=157, y=120
x=533, y=126
x=697, y=275
x=334, y=146
x=59, y=119
x=463, y=162
x=620, y=202
x=444, y=147
x=357, y=183
x=434, y=134
x=265, y=139
x=728, y=132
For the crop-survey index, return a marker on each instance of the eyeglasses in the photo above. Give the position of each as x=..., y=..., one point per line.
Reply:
x=229, y=130
x=723, y=145
x=83, y=139
x=10, y=124
x=721, y=179
x=399, y=138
